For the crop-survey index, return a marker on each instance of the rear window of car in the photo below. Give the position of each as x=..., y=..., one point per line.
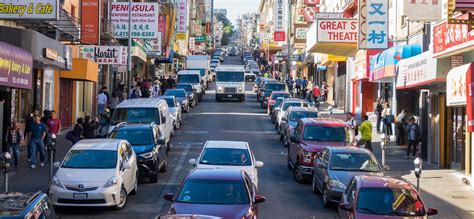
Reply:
x=390, y=201
x=226, y=157
x=324, y=133
x=275, y=96
x=214, y=192
x=135, y=115
x=134, y=137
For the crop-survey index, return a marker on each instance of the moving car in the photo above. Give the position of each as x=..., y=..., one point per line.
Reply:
x=261, y=87
x=334, y=168
x=287, y=103
x=96, y=172
x=16, y=205
x=382, y=197
x=181, y=97
x=272, y=99
x=291, y=118
x=224, y=193
x=230, y=155
x=311, y=136
x=149, y=146
x=174, y=107
x=230, y=82
x=192, y=77
x=190, y=93
x=268, y=89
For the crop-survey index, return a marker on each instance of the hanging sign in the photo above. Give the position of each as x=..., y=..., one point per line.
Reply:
x=373, y=24
x=182, y=16
x=105, y=55
x=279, y=16
x=144, y=22
x=36, y=9
x=337, y=30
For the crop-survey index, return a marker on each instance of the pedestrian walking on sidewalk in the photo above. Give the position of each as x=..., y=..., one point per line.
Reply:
x=378, y=111
x=414, y=137
x=401, y=123
x=352, y=123
x=387, y=119
x=54, y=127
x=29, y=122
x=325, y=91
x=298, y=86
x=37, y=135
x=155, y=89
x=89, y=126
x=365, y=130
x=114, y=101
x=14, y=138
x=101, y=102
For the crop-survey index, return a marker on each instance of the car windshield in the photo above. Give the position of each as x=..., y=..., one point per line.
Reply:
x=135, y=115
x=390, y=201
x=324, y=133
x=226, y=156
x=90, y=159
x=297, y=115
x=279, y=102
x=275, y=96
x=275, y=87
x=354, y=162
x=202, y=72
x=188, y=78
x=288, y=104
x=170, y=102
x=228, y=76
x=218, y=192
x=176, y=93
x=187, y=88
x=135, y=137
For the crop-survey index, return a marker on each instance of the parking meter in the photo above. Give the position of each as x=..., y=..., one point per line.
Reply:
x=52, y=153
x=418, y=168
x=5, y=159
x=384, y=139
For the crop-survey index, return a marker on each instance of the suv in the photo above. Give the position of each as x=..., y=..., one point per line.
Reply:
x=192, y=77
x=26, y=205
x=268, y=89
x=290, y=118
x=149, y=146
x=261, y=87
x=311, y=136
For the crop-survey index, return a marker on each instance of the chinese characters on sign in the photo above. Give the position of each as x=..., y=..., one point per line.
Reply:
x=301, y=33
x=144, y=20
x=278, y=11
x=431, y=10
x=105, y=55
x=153, y=46
x=162, y=26
x=279, y=36
x=447, y=37
x=417, y=70
x=373, y=29
x=182, y=16
x=336, y=30
x=37, y=9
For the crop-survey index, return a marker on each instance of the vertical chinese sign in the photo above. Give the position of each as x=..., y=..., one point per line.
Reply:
x=373, y=24
x=182, y=16
x=278, y=19
x=90, y=22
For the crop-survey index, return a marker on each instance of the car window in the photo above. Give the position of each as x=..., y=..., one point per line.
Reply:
x=135, y=115
x=204, y=191
x=250, y=185
x=226, y=156
x=326, y=157
x=286, y=105
x=324, y=133
x=298, y=130
x=390, y=201
x=135, y=137
x=90, y=159
x=170, y=102
x=346, y=161
x=297, y=115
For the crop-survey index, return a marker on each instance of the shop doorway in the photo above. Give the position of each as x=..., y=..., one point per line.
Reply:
x=458, y=138
x=65, y=102
x=424, y=124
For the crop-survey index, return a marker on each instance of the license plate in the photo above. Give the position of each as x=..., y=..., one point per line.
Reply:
x=80, y=196
x=229, y=95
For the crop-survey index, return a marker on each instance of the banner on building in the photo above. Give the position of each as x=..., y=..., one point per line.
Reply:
x=153, y=46
x=456, y=89
x=336, y=31
x=423, y=11
x=451, y=37
x=162, y=26
x=37, y=9
x=279, y=16
x=144, y=20
x=310, y=14
x=90, y=22
x=16, y=67
x=279, y=36
x=180, y=36
x=105, y=55
x=373, y=24
x=192, y=42
x=182, y=16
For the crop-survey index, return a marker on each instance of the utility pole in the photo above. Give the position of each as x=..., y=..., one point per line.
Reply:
x=129, y=51
x=288, y=35
x=212, y=24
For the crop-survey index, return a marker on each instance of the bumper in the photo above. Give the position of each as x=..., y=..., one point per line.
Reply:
x=229, y=95
x=335, y=194
x=306, y=170
x=101, y=197
x=146, y=167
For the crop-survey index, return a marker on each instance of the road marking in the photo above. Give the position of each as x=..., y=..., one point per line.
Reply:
x=179, y=165
x=230, y=113
x=248, y=132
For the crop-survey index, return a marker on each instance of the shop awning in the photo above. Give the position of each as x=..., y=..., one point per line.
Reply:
x=421, y=70
x=329, y=59
x=456, y=89
x=340, y=49
x=383, y=65
x=271, y=46
x=82, y=70
x=362, y=63
x=16, y=67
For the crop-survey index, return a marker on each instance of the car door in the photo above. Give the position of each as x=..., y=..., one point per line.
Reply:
x=294, y=146
x=251, y=190
x=128, y=174
x=160, y=149
x=284, y=122
x=319, y=169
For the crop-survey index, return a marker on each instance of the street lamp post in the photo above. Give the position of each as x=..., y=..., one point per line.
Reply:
x=288, y=64
x=212, y=24
x=129, y=51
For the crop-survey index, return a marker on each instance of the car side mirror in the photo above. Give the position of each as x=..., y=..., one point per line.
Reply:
x=260, y=199
x=56, y=164
x=345, y=207
x=258, y=164
x=126, y=165
x=432, y=211
x=169, y=196
x=192, y=161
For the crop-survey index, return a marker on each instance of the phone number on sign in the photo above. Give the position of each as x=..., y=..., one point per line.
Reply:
x=136, y=34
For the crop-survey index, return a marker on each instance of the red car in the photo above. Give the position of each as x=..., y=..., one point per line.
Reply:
x=273, y=97
x=369, y=197
x=311, y=136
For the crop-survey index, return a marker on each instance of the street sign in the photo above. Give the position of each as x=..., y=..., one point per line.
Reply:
x=180, y=36
x=200, y=39
x=295, y=57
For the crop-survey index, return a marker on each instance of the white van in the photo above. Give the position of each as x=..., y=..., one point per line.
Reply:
x=192, y=77
x=230, y=82
x=144, y=111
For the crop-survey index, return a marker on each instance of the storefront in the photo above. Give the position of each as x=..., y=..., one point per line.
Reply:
x=363, y=102
x=335, y=78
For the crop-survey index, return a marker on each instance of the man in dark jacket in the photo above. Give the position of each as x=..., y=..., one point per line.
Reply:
x=89, y=127
x=414, y=135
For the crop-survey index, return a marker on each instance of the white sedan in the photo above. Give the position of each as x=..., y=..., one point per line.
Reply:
x=228, y=155
x=98, y=172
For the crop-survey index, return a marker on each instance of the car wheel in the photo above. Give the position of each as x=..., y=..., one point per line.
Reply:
x=299, y=178
x=325, y=197
x=135, y=185
x=314, y=187
x=165, y=165
x=154, y=174
x=123, y=199
x=286, y=142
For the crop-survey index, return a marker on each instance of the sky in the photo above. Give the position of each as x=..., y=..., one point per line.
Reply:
x=237, y=7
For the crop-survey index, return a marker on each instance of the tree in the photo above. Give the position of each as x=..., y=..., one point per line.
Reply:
x=228, y=30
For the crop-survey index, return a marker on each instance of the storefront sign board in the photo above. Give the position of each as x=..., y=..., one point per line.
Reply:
x=418, y=70
x=373, y=24
x=456, y=89
x=90, y=22
x=431, y=10
x=182, y=16
x=144, y=20
x=449, y=38
x=37, y=9
x=16, y=67
x=279, y=15
x=336, y=30
x=105, y=55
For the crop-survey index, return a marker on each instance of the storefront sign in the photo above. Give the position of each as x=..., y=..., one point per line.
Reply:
x=90, y=22
x=192, y=42
x=337, y=31
x=200, y=39
x=182, y=16
x=16, y=66
x=279, y=36
x=37, y=9
x=448, y=38
x=418, y=70
x=162, y=26
x=457, y=61
x=299, y=17
x=456, y=86
x=105, y=55
x=470, y=98
x=144, y=19
x=153, y=46
x=180, y=36
x=296, y=57
x=279, y=16
x=301, y=33
x=311, y=2
x=373, y=21
x=50, y=54
x=431, y=10
x=310, y=14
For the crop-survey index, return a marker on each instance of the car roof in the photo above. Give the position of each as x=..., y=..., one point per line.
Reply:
x=230, y=68
x=98, y=144
x=280, y=92
x=140, y=102
x=381, y=182
x=295, y=100
x=133, y=126
x=275, y=82
x=329, y=122
x=303, y=109
x=227, y=144
x=216, y=174
x=193, y=72
x=15, y=203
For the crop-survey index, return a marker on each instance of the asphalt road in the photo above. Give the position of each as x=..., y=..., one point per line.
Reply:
x=210, y=121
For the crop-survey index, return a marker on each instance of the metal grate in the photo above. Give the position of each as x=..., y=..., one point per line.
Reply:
x=81, y=190
x=230, y=89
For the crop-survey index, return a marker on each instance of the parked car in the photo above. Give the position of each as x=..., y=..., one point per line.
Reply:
x=382, y=197
x=334, y=168
x=149, y=146
x=224, y=193
x=261, y=87
x=287, y=103
x=255, y=83
x=272, y=99
x=230, y=155
x=268, y=89
x=96, y=172
x=174, y=107
x=276, y=108
x=17, y=205
x=181, y=97
x=311, y=136
x=190, y=93
x=290, y=119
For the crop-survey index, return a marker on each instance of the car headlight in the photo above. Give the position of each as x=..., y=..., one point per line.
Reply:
x=110, y=182
x=220, y=88
x=56, y=182
x=240, y=88
x=147, y=155
x=337, y=184
x=307, y=157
